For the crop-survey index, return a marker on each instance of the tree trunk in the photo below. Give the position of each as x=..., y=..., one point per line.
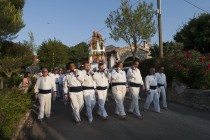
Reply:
x=135, y=48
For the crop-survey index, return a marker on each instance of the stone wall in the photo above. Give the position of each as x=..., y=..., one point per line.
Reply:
x=199, y=99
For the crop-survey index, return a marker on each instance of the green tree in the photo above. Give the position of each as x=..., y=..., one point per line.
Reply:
x=79, y=53
x=10, y=18
x=52, y=53
x=169, y=48
x=31, y=42
x=14, y=57
x=195, y=34
x=132, y=24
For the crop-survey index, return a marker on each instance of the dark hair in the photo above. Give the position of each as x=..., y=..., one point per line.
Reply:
x=85, y=63
x=118, y=63
x=135, y=61
x=160, y=67
x=26, y=74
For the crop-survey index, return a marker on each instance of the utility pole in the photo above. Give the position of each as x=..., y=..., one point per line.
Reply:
x=160, y=28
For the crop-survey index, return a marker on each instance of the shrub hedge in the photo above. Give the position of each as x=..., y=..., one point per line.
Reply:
x=13, y=106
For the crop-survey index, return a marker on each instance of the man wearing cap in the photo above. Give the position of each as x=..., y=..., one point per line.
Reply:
x=162, y=84
x=152, y=93
x=135, y=82
x=55, y=77
x=88, y=87
x=119, y=89
x=72, y=86
x=101, y=79
x=43, y=92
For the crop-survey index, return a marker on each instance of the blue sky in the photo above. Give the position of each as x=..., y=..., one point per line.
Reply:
x=73, y=21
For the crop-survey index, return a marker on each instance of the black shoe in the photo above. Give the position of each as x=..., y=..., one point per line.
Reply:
x=130, y=112
x=122, y=117
x=40, y=120
x=77, y=123
x=104, y=118
x=140, y=117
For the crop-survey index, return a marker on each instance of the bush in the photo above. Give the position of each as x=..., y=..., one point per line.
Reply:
x=189, y=67
x=13, y=106
x=13, y=81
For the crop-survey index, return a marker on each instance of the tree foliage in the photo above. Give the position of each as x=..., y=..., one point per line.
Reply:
x=195, y=34
x=14, y=57
x=10, y=18
x=168, y=48
x=52, y=53
x=132, y=24
x=79, y=53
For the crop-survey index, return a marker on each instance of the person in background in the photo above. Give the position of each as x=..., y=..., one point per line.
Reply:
x=119, y=83
x=43, y=93
x=135, y=82
x=26, y=83
x=72, y=86
x=60, y=81
x=152, y=93
x=55, y=77
x=162, y=84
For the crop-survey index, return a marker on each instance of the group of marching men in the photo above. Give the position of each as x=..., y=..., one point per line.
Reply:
x=83, y=86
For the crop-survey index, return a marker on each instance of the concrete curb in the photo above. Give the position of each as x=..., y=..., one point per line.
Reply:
x=21, y=124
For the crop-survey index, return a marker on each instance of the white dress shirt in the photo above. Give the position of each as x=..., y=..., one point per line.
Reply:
x=150, y=80
x=134, y=76
x=45, y=83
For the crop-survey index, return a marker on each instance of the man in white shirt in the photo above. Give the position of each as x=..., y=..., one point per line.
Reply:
x=60, y=81
x=88, y=87
x=55, y=77
x=135, y=82
x=101, y=79
x=119, y=89
x=162, y=84
x=42, y=90
x=72, y=86
x=152, y=93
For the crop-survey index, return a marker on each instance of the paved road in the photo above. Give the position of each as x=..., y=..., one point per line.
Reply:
x=177, y=123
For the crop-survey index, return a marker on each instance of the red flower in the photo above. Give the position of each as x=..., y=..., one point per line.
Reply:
x=208, y=57
x=178, y=61
x=188, y=55
x=187, y=68
x=208, y=67
x=179, y=68
x=201, y=59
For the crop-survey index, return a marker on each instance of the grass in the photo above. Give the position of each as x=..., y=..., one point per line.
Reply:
x=13, y=106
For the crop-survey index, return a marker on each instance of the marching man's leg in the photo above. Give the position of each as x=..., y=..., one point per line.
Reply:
x=156, y=101
x=101, y=102
x=41, y=106
x=163, y=93
x=134, y=102
x=75, y=107
x=47, y=109
x=148, y=101
x=88, y=105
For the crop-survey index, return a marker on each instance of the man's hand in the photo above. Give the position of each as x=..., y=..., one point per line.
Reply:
x=148, y=91
x=66, y=97
x=143, y=87
x=36, y=96
x=75, y=71
x=54, y=94
x=96, y=92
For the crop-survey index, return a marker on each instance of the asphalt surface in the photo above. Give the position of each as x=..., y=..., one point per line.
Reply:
x=176, y=123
